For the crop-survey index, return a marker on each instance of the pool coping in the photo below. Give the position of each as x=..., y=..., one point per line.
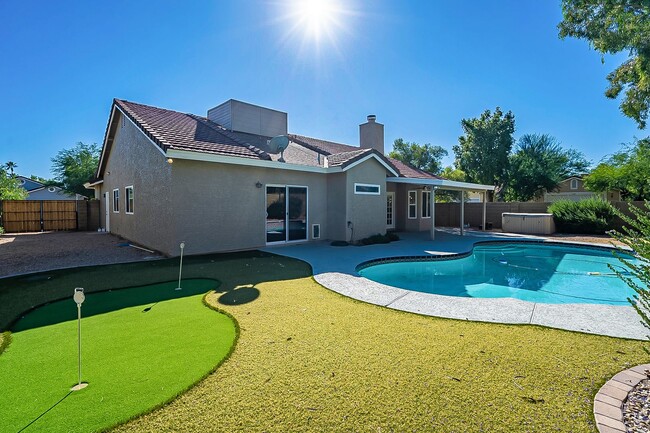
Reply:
x=607, y=320
x=609, y=400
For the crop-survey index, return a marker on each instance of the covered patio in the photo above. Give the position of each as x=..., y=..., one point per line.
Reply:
x=411, y=202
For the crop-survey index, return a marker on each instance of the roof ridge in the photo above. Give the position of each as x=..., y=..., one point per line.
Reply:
x=220, y=129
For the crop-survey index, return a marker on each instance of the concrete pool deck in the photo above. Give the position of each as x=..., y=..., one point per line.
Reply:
x=335, y=268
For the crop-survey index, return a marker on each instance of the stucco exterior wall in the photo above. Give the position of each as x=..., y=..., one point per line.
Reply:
x=367, y=212
x=337, y=207
x=134, y=160
x=218, y=207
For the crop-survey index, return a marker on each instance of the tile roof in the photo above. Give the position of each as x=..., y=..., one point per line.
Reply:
x=180, y=131
x=407, y=170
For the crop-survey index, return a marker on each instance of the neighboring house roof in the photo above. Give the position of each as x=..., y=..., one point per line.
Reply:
x=172, y=130
x=29, y=184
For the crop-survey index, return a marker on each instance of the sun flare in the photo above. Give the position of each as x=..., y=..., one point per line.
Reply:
x=317, y=16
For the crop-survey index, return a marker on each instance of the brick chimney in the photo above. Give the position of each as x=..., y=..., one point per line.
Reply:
x=371, y=134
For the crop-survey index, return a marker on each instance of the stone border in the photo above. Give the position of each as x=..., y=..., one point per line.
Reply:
x=608, y=403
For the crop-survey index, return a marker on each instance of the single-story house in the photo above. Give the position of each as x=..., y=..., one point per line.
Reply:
x=39, y=191
x=573, y=188
x=236, y=179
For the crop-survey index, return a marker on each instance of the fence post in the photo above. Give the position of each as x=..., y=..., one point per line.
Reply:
x=42, y=223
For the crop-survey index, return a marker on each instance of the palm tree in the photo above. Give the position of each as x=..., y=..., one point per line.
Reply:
x=10, y=165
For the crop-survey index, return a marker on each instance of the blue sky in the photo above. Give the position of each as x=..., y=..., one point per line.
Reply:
x=419, y=66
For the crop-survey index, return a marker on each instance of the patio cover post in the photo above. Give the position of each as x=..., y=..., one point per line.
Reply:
x=433, y=213
x=484, y=207
x=462, y=212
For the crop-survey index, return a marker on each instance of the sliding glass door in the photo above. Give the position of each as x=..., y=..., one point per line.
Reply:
x=286, y=213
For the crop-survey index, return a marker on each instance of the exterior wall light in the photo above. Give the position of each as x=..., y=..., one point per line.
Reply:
x=258, y=184
x=170, y=161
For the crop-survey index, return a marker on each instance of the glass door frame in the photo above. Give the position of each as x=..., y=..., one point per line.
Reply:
x=390, y=194
x=286, y=213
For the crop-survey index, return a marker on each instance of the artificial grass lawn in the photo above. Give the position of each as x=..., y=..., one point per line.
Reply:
x=308, y=359
x=133, y=359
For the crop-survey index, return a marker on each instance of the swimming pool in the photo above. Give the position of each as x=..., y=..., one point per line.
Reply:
x=535, y=272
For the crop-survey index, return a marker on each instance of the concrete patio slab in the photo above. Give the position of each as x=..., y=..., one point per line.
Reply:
x=335, y=268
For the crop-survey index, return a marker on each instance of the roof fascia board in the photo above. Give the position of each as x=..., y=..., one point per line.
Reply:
x=442, y=184
x=108, y=132
x=236, y=160
x=143, y=133
x=365, y=158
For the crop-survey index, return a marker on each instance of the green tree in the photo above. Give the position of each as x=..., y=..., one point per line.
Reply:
x=538, y=164
x=76, y=166
x=10, y=188
x=10, y=166
x=484, y=149
x=611, y=27
x=425, y=157
x=450, y=173
x=635, y=235
x=627, y=170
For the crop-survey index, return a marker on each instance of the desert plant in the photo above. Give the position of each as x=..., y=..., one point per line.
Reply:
x=592, y=216
x=636, y=235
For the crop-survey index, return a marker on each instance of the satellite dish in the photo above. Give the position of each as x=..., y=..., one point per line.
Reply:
x=278, y=144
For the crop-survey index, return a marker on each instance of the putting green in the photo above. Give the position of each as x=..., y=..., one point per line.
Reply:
x=141, y=347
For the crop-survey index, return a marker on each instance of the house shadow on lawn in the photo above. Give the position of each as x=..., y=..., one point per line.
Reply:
x=235, y=275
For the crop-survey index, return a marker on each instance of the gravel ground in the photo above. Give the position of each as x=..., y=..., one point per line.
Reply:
x=592, y=239
x=636, y=409
x=32, y=252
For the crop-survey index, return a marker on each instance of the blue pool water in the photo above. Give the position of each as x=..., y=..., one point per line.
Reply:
x=531, y=272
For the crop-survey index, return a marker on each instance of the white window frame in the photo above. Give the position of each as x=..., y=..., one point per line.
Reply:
x=414, y=204
x=426, y=209
x=116, y=200
x=574, y=182
x=365, y=192
x=126, y=200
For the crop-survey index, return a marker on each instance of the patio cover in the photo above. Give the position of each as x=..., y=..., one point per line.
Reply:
x=435, y=184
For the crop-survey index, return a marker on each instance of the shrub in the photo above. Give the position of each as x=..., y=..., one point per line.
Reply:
x=592, y=216
x=379, y=239
x=392, y=236
x=2, y=230
x=636, y=235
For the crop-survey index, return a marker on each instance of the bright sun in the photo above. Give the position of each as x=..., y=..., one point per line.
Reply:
x=316, y=21
x=317, y=16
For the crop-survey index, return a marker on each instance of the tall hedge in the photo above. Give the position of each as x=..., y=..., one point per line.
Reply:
x=592, y=216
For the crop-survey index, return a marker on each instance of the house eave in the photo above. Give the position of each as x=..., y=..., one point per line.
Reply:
x=442, y=184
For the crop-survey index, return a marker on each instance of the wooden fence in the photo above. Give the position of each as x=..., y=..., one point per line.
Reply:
x=46, y=215
x=448, y=214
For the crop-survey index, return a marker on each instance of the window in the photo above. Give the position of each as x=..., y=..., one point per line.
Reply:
x=574, y=183
x=364, y=188
x=129, y=199
x=426, y=204
x=413, y=205
x=116, y=200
